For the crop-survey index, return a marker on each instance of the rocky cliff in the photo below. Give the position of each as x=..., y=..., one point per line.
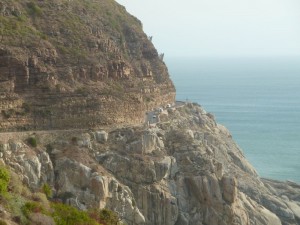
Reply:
x=86, y=64
x=76, y=64
x=187, y=170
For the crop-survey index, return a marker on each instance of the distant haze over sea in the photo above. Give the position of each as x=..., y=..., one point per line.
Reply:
x=257, y=99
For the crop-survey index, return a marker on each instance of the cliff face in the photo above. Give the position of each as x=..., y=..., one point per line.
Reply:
x=187, y=170
x=84, y=64
x=74, y=64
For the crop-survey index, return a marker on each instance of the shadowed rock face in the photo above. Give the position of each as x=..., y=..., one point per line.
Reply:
x=187, y=170
x=88, y=67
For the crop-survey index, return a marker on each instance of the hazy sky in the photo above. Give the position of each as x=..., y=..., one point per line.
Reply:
x=220, y=27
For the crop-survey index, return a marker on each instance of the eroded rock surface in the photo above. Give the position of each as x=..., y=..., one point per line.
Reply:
x=91, y=67
x=187, y=170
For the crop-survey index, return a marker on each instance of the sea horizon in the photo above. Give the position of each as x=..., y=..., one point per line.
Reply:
x=257, y=99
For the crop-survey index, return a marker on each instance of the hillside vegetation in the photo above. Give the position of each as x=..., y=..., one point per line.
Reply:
x=68, y=64
x=18, y=205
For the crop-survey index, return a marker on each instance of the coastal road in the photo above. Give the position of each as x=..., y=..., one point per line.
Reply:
x=152, y=116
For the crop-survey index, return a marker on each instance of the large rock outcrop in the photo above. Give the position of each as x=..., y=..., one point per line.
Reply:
x=186, y=170
x=91, y=66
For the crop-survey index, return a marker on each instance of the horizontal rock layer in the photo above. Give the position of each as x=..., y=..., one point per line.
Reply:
x=92, y=66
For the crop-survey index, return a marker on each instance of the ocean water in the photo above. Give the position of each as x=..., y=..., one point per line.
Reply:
x=258, y=100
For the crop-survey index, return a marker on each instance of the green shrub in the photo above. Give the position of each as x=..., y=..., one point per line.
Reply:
x=74, y=140
x=32, y=207
x=47, y=190
x=2, y=222
x=105, y=216
x=32, y=141
x=68, y=215
x=108, y=217
x=43, y=36
x=15, y=203
x=8, y=113
x=49, y=148
x=42, y=199
x=15, y=184
x=4, y=179
x=34, y=9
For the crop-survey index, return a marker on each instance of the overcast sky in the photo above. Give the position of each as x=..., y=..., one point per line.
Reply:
x=220, y=27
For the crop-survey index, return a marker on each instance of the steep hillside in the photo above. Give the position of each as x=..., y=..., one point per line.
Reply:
x=87, y=64
x=74, y=64
x=186, y=171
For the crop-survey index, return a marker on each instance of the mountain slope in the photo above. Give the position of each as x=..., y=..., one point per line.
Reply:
x=70, y=64
x=87, y=64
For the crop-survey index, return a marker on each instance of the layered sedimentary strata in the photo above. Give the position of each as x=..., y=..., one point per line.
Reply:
x=88, y=67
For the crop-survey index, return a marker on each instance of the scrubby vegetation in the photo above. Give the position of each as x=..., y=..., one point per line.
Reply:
x=32, y=141
x=34, y=9
x=32, y=207
x=4, y=179
x=7, y=113
x=47, y=190
x=105, y=216
x=27, y=24
x=25, y=206
x=78, y=48
x=68, y=215
x=2, y=222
